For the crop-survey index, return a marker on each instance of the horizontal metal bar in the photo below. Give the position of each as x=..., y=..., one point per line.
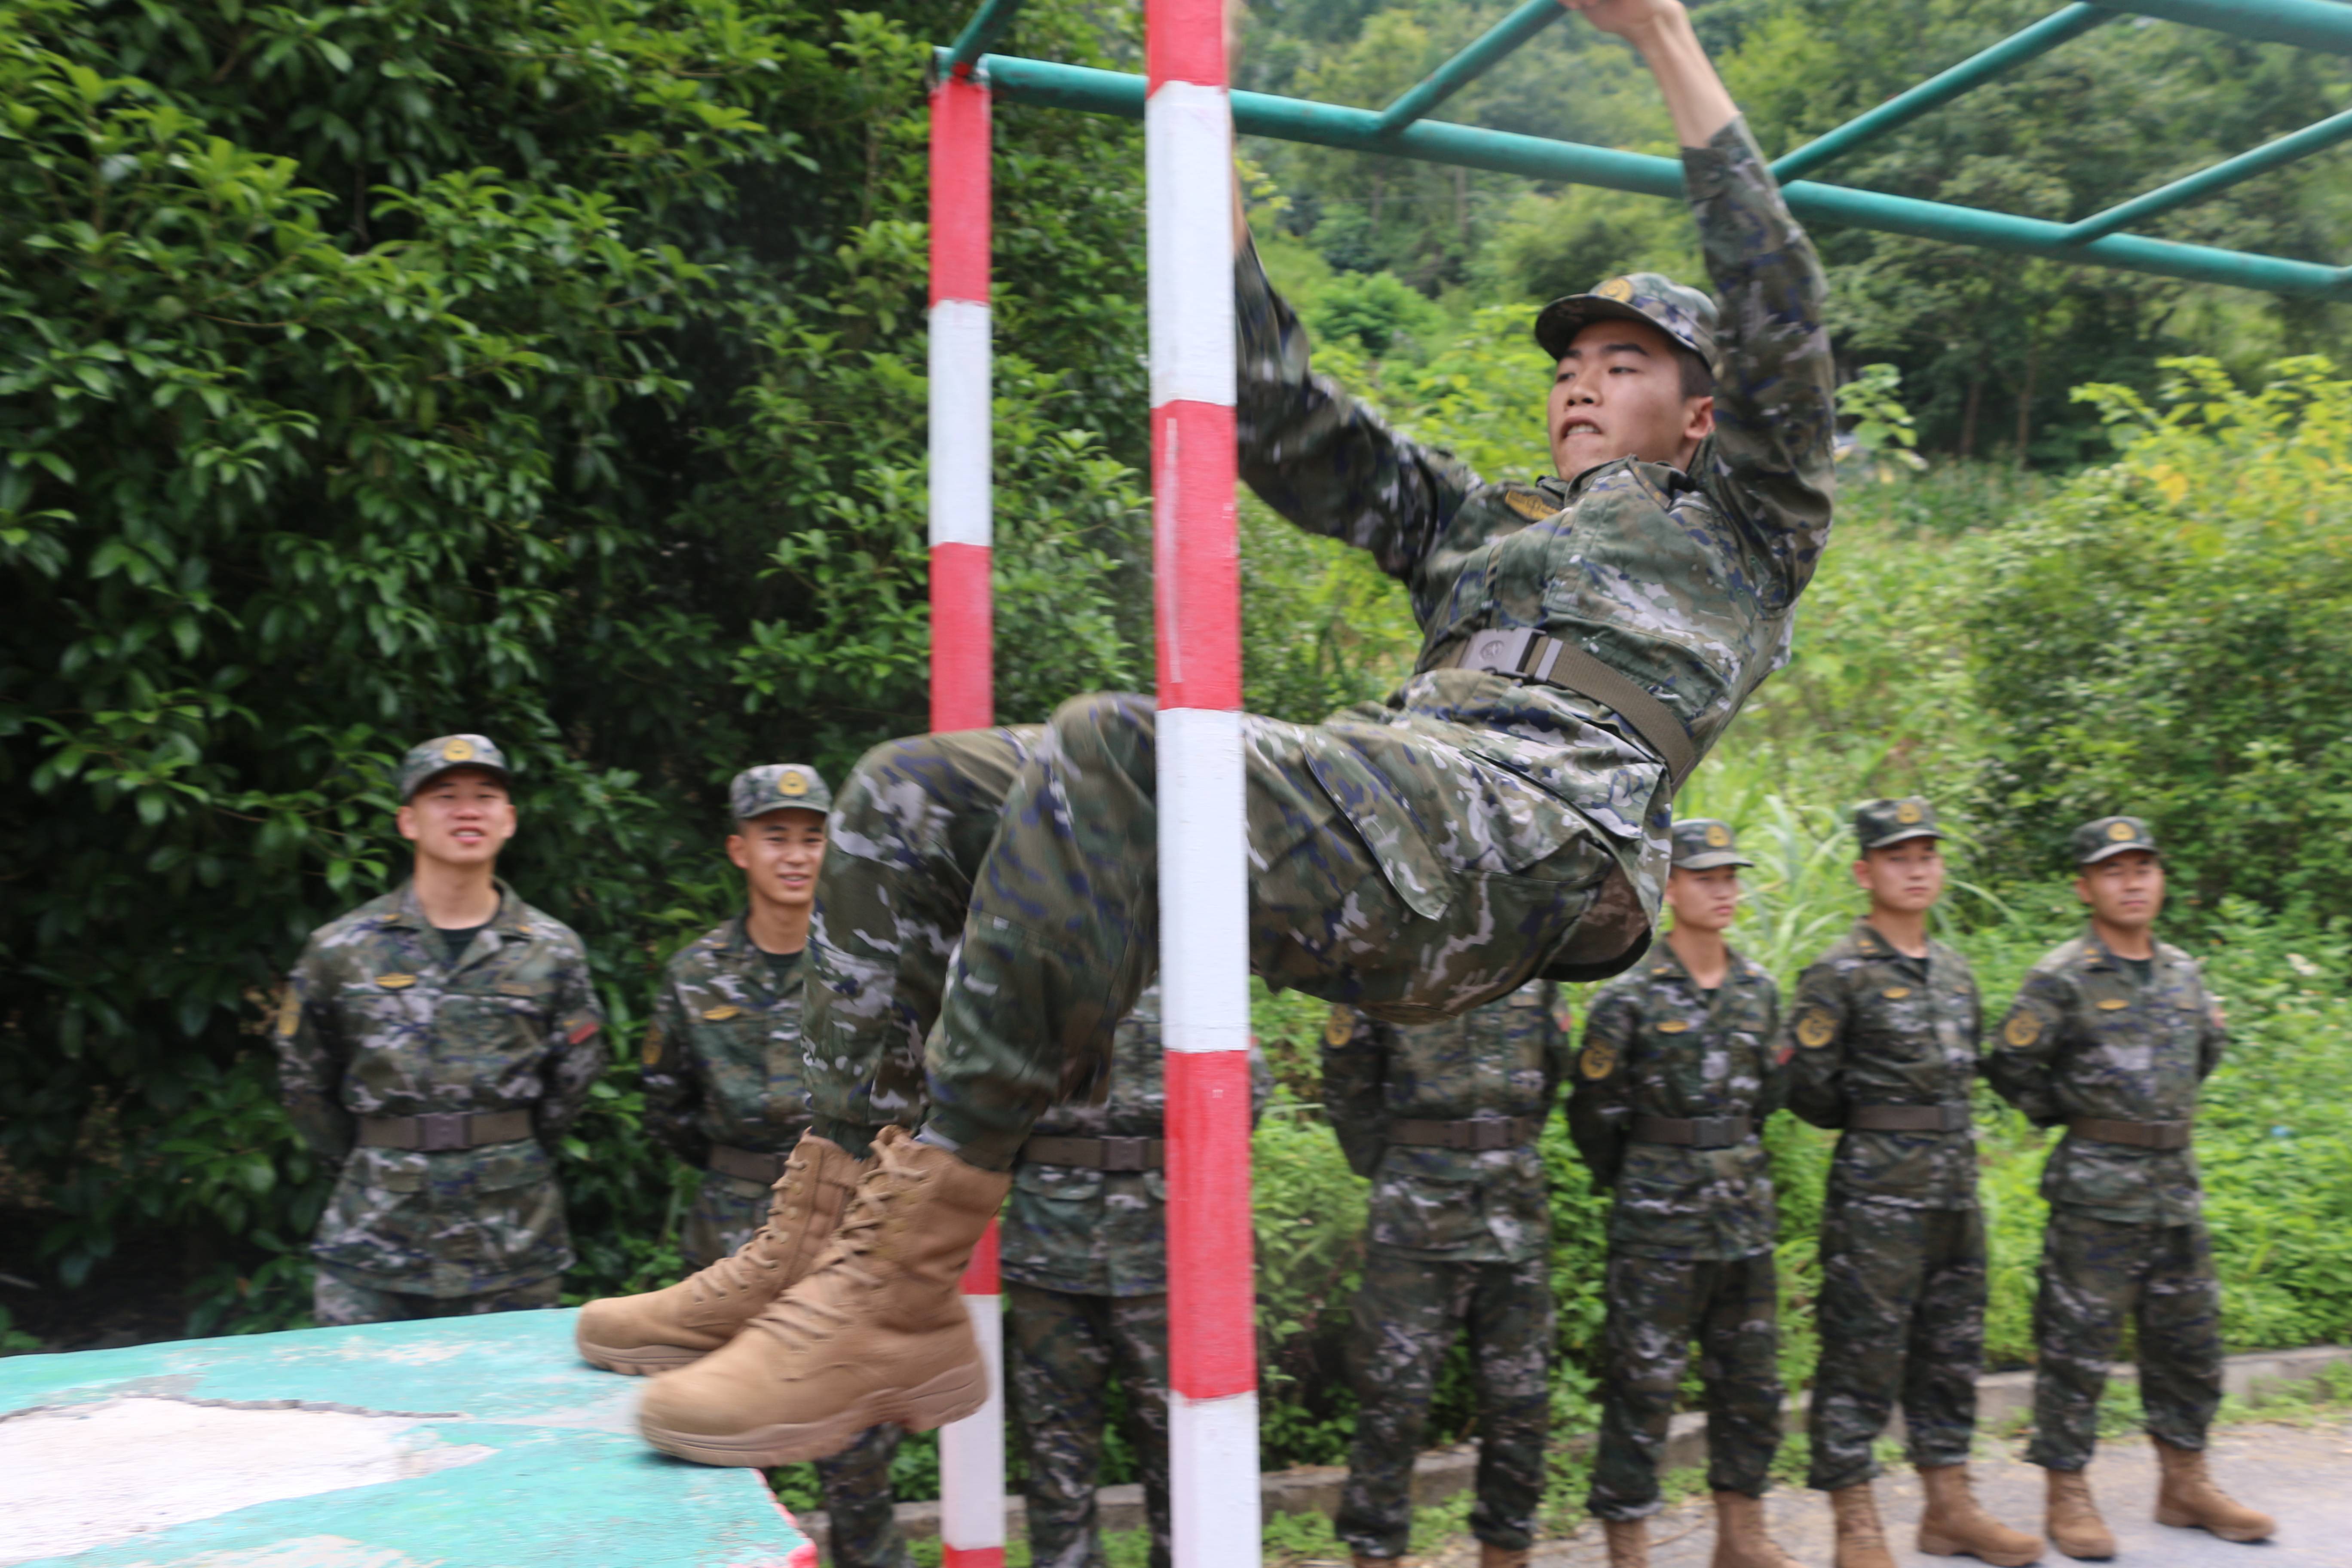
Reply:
x=1472, y=63
x=1294, y=120
x=1936, y=91
x=2203, y=184
x=2311, y=24
x=987, y=25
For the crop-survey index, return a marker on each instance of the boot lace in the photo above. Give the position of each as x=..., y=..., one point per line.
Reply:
x=733, y=1272
x=801, y=1316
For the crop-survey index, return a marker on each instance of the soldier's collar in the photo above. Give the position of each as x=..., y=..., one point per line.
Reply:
x=409, y=915
x=2098, y=954
x=1873, y=945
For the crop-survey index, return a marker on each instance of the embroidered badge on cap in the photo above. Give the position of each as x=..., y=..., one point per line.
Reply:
x=395, y=982
x=1907, y=814
x=1618, y=289
x=1815, y=1030
x=457, y=749
x=2023, y=1030
x=720, y=1015
x=2119, y=831
x=791, y=781
x=1718, y=836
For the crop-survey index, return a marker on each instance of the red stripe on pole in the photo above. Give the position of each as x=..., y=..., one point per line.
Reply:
x=1196, y=557
x=1184, y=40
x=1212, y=1353
x=964, y=629
x=960, y=191
x=979, y=1276
x=971, y=1557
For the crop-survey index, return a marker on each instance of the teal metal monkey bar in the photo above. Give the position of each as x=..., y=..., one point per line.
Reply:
x=1402, y=130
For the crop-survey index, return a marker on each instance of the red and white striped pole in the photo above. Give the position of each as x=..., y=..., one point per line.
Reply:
x=1203, y=886
x=971, y=1451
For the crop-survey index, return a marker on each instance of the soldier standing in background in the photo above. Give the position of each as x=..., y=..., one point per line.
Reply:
x=724, y=1089
x=1673, y=1086
x=1445, y=1119
x=1085, y=1262
x=2109, y=1037
x=432, y=1046
x=1885, y=1027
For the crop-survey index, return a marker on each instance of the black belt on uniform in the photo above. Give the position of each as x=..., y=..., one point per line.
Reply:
x=2140, y=1134
x=747, y=1164
x=1097, y=1154
x=1949, y=1117
x=1555, y=663
x=1693, y=1131
x=1476, y=1133
x=439, y=1131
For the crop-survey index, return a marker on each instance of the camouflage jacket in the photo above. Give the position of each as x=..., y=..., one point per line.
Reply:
x=1506, y=1058
x=722, y=1053
x=1656, y=1044
x=1685, y=581
x=1870, y=1027
x=2085, y=1038
x=1103, y=1233
x=375, y=1022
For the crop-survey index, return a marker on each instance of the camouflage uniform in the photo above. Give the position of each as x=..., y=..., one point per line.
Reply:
x=1412, y=860
x=1084, y=1260
x=376, y=1023
x=2088, y=1038
x=1691, y=1229
x=1901, y=1313
x=1457, y=1241
x=722, y=1070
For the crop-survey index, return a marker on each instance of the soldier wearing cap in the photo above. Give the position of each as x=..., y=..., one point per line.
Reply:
x=432, y=1046
x=1444, y=1119
x=1678, y=1072
x=724, y=1084
x=1882, y=1038
x=2109, y=1037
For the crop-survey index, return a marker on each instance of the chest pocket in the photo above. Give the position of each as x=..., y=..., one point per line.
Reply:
x=1896, y=1015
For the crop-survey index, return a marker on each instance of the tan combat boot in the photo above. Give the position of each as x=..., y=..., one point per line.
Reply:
x=1954, y=1523
x=2073, y=1521
x=1861, y=1540
x=683, y=1322
x=877, y=1332
x=1492, y=1557
x=1740, y=1538
x=1629, y=1541
x=2188, y=1500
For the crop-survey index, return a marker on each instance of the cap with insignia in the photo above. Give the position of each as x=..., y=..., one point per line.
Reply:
x=425, y=762
x=777, y=786
x=1701, y=844
x=2095, y=841
x=1879, y=823
x=1683, y=313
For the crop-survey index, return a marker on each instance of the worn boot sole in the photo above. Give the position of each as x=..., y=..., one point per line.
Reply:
x=1934, y=1543
x=637, y=1360
x=2180, y=1519
x=950, y=1396
x=2082, y=1553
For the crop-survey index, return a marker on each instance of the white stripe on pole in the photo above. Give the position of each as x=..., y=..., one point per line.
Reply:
x=1187, y=161
x=971, y=1454
x=960, y=492
x=1213, y=1489
x=1204, y=881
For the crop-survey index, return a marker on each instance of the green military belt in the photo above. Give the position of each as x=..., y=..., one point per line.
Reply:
x=438, y=1131
x=2139, y=1135
x=1097, y=1154
x=1952, y=1115
x=1695, y=1132
x=1555, y=663
x=1476, y=1133
x=747, y=1164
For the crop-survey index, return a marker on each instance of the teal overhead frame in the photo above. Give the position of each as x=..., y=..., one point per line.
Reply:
x=1402, y=129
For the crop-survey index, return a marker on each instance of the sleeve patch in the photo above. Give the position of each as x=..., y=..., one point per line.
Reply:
x=581, y=1027
x=1597, y=1061
x=1816, y=1029
x=289, y=1012
x=2022, y=1030
x=1339, y=1025
x=651, y=1052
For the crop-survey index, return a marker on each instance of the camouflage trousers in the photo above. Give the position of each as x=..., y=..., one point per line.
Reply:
x=339, y=1301
x=1657, y=1306
x=1060, y=1351
x=2095, y=1273
x=1901, y=1314
x=1004, y=884
x=727, y=1210
x=1408, y=1312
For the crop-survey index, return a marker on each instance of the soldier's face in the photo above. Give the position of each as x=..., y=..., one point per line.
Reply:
x=781, y=854
x=1618, y=393
x=1905, y=878
x=2124, y=890
x=461, y=819
x=1705, y=900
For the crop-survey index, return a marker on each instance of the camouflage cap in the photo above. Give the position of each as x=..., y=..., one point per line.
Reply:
x=2095, y=841
x=425, y=762
x=1701, y=844
x=777, y=786
x=1683, y=313
x=1879, y=823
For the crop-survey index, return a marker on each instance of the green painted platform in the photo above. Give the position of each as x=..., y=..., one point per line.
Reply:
x=464, y=1443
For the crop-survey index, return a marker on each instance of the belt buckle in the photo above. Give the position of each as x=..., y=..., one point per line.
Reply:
x=439, y=1131
x=1956, y=1117
x=1498, y=651
x=1124, y=1153
x=1490, y=1132
x=1712, y=1131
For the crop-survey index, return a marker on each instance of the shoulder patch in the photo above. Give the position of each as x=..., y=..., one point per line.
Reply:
x=395, y=982
x=1816, y=1029
x=1598, y=1060
x=1530, y=504
x=1339, y=1025
x=651, y=1052
x=2022, y=1030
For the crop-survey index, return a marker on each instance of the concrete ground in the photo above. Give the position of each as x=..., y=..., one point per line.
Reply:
x=2301, y=1475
